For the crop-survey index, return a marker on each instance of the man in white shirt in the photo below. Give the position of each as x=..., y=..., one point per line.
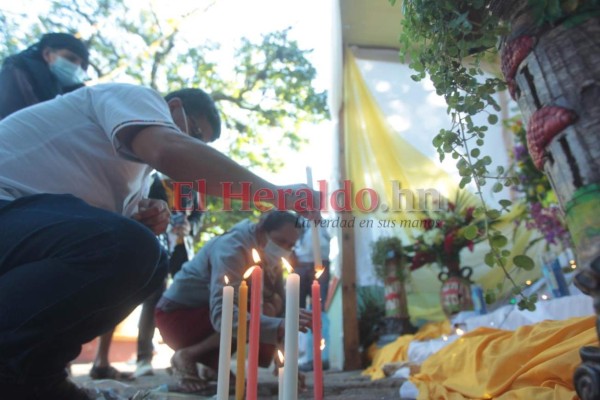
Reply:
x=78, y=250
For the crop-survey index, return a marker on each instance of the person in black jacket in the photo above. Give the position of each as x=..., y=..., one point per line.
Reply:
x=54, y=65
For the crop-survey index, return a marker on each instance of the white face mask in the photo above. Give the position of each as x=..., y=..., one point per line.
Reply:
x=274, y=252
x=67, y=73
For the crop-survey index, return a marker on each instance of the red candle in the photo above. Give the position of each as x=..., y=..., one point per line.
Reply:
x=242, y=335
x=316, y=328
x=254, y=335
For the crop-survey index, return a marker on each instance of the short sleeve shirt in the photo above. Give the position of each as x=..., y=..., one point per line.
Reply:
x=72, y=145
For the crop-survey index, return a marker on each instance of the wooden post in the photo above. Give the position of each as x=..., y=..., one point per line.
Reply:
x=352, y=359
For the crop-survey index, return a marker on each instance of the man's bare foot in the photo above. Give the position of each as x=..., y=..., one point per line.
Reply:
x=185, y=371
x=207, y=373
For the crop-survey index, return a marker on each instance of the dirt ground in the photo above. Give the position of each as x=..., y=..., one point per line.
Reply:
x=347, y=385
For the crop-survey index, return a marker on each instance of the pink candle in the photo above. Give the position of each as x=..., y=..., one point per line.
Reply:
x=254, y=335
x=316, y=328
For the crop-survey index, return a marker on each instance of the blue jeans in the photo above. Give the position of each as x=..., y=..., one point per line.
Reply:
x=68, y=273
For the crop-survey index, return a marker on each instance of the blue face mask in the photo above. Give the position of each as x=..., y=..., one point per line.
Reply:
x=67, y=73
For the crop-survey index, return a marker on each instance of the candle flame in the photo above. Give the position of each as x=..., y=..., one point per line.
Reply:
x=255, y=256
x=322, y=344
x=226, y=280
x=459, y=332
x=319, y=271
x=249, y=272
x=287, y=265
x=280, y=355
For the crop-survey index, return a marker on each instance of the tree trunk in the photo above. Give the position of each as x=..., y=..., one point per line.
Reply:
x=554, y=74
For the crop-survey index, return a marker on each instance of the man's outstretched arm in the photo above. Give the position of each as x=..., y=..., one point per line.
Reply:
x=187, y=159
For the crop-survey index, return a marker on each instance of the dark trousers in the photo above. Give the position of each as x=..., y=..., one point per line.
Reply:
x=68, y=273
x=147, y=324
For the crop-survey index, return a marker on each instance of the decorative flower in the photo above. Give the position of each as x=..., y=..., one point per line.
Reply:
x=433, y=237
x=443, y=238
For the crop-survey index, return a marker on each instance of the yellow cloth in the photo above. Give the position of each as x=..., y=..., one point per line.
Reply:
x=433, y=330
x=535, y=362
x=398, y=350
x=376, y=155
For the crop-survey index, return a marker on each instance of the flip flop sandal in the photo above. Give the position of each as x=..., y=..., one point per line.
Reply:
x=188, y=382
x=110, y=372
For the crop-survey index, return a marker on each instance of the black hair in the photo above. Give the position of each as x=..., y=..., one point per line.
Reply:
x=275, y=219
x=197, y=102
x=65, y=41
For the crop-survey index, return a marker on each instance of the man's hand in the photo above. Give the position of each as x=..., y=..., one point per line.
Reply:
x=182, y=229
x=305, y=320
x=154, y=214
x=304, y=323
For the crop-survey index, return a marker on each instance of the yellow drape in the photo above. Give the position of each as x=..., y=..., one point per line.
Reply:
x=398, y=350
x=534, y=362
x=376, y=155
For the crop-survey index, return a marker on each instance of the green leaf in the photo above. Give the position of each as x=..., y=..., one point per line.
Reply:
x=464, y=181
x=470, y=232
x=499, y=241
x=505, y=203
x=493, y=214
x=475, y=153
x=492, y=119
x=498, y=186
x=489, y=259
x=524, y=262
x=490, y=297
x=479, y=212
x=533, y=298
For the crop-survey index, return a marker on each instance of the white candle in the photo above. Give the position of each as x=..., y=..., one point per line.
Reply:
x=280, y=377
x=316, y=243
x=225, y=344
x=280, y=374
x=292, y=322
